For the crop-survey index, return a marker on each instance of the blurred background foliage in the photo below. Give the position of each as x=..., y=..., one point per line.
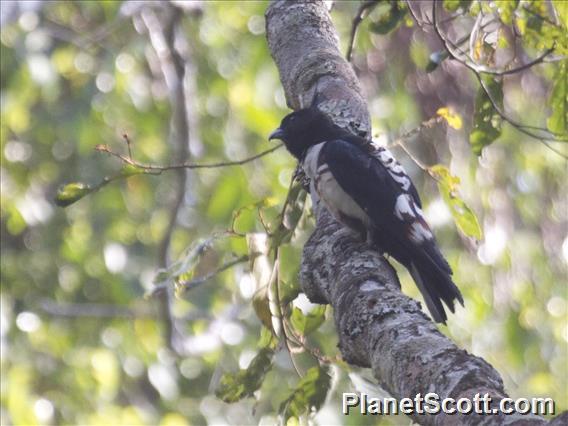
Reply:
x=83, y=343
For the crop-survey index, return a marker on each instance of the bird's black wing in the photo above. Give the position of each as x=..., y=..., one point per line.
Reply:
x=391, y=165
x=397, y=218
x=368, y=182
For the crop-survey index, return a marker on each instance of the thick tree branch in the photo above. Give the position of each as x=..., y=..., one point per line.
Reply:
x=378, y=326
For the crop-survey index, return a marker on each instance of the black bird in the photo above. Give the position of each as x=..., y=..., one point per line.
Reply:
x=367, y=190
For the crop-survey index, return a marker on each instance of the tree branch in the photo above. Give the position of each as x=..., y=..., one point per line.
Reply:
x=378, y=326
x=364, y=9
x=155, y=169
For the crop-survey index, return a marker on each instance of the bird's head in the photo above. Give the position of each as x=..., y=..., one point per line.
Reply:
x=304, y=128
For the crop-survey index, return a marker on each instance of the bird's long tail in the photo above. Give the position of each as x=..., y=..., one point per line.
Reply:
x=435, y=283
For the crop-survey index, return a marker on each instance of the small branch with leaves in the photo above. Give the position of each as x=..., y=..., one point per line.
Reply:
x=73, y=192
x=490, y=85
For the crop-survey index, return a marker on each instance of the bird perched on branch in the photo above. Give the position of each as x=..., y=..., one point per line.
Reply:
x=367, y=190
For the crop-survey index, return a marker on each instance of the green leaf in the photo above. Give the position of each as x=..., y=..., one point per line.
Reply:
x=506, y=10
x=261, y=306
x=236, y=386
x=289, y=290
x=558, y=120
x=306, y=324
x=72, y=192
x=389, y=20
x=453, y=5
x=290, y=259
x=267, y=339
x=464, y=217
x=309, y=394
x=486, y=120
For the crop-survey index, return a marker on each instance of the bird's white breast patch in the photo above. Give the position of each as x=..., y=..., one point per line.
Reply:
x=326, y=188
x=310, y=163
x=310, y=166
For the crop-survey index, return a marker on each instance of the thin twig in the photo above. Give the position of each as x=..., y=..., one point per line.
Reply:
x=553, y=149
x=364, y=9
x=481, y=69
x=419, y=22
x=458, y=43
x=425, y=124
x=156, y=169
x=127, y=139
x=486, y=70
x=520, y=127
x=401, y=140
x=315, y=352
x=196, y=282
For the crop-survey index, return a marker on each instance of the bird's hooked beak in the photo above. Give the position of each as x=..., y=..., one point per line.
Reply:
x=276, y=134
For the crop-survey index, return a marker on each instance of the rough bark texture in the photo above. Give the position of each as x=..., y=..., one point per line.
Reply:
x=378, y=326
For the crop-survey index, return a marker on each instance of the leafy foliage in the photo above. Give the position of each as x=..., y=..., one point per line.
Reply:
x=309, y=394
x=308, y=323
x=234, y=387
x=453, y=5
x=486, y=120
x=71, y=192
x=464, y=217
x=389, y=18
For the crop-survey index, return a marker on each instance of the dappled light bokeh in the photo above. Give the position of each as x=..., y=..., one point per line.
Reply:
x=84, y=336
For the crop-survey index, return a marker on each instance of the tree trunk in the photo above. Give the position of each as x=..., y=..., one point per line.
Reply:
x=378, y=326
